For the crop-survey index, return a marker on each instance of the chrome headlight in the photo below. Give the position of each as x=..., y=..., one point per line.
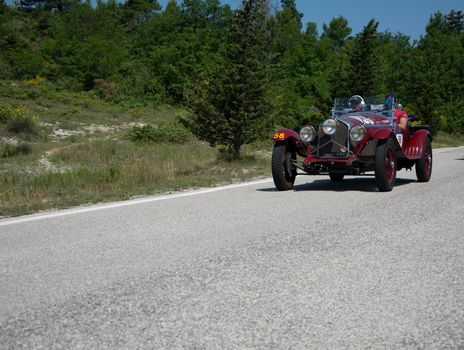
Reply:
x=307, y=133
x=357, y=133
x=330, y=126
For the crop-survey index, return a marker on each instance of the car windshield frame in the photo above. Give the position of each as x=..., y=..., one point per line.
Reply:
x=372, y=104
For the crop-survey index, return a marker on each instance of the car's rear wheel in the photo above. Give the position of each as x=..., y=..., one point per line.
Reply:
x=336, y=177
x=385, y=166
x=283, y=167
x=424, y=164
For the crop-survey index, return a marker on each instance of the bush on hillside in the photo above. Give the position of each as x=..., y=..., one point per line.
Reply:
x=169, y=132
x=8, y=149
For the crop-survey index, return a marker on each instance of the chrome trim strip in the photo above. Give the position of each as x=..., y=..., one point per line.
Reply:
x=348, y=148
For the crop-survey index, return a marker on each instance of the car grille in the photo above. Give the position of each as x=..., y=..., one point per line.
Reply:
x=330, y=145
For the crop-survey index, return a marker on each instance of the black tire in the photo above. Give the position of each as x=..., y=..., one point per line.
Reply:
x=336, y=177
x=385, y=166
x=424, y=164
x=283, y=169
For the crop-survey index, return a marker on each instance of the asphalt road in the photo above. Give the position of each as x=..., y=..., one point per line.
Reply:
x=323, y=266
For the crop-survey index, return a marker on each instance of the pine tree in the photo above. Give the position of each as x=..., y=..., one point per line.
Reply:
x=2, y=7
x=137, y=11
x=48, y=5
x=455, y=21
x=290, y=5
x=230, y=107
x=337, y=31
x=364, y=62
x=333, y=41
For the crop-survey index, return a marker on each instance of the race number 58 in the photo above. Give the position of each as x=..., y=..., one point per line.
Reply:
x=279, y=136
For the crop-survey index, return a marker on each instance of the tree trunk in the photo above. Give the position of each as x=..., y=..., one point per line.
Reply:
x=237, y=145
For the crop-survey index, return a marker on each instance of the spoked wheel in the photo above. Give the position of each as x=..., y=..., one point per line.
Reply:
x=424, y=164
x=283, y=167
x=336, y=177
x=385, y=166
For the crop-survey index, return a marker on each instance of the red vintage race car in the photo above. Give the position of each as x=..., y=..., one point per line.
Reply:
x=356, y=140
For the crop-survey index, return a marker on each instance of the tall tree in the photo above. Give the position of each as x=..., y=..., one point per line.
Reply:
x=2, y=6
x=364, y=61
x=137, y=11
x=286, y=28
x=290, y=5
x=395, y=53
x=455, y=21
x=334, y=41
x=48, y=5
x=337, y=31
x=230, y=108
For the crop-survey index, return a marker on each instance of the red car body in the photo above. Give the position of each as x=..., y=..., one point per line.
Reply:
x=383, y=149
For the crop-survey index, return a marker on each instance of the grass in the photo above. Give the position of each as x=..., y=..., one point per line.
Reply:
x=105, y=170
x=447, y=140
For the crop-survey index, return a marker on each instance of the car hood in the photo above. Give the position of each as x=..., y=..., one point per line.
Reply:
x=364, y=119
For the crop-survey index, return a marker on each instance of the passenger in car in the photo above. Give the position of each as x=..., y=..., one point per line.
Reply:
x=401, y=117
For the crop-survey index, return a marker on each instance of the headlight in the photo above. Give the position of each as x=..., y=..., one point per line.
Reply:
x=307, y=133
x=330, y=126
x=357, y=133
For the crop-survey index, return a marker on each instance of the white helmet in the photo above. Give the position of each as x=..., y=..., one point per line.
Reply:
x=357, y=102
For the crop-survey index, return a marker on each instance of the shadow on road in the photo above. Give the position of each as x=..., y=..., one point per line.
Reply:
x=362, y=184
x=462, y=158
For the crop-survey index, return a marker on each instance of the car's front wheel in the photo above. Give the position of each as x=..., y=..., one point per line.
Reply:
x=385, y=166
x=283, y=167
x=424, y=164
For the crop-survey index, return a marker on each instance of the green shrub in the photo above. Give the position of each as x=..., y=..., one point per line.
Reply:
x=454, y=114
x=24, y=147
x=105, y=90
x=8, y=150
x=5, y=112
x=22, y=123
x=169, y=132
x=17, y=119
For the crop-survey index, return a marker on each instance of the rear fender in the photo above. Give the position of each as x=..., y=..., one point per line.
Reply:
x=415, y=146
x=293, y=138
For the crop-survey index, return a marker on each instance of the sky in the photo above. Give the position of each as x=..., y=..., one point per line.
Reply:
x=405, y=16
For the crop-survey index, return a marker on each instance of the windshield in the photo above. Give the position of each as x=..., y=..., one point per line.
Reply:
x=344, y=105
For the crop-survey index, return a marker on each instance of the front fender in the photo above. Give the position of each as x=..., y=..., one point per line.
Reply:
x=285, y=134
x=292, y=137
x=384, y=134
x=381, y=134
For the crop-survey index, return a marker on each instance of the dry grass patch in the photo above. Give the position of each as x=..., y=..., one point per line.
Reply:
x=105, y=170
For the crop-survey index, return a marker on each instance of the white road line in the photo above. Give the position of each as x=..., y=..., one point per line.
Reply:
x=97, y=207
x=443, y=150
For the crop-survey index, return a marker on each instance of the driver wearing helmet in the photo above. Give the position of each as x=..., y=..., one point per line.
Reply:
x=357, y=103
x=401, y=117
